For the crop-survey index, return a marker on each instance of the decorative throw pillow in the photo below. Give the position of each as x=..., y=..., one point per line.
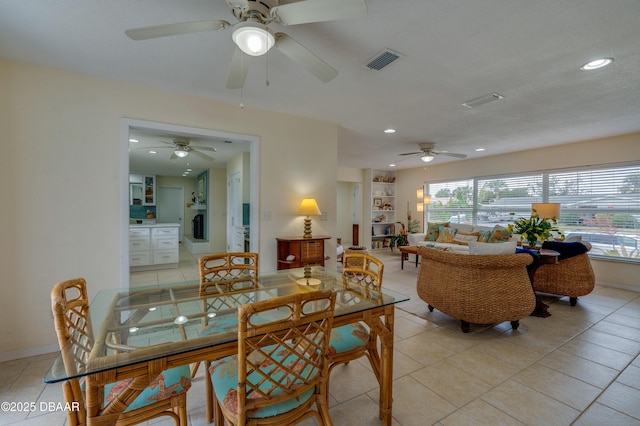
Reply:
x=476, y=247
x=484, y=235
x=499, y=235
x=463, y=238
x=445, y=235
x=433, y=231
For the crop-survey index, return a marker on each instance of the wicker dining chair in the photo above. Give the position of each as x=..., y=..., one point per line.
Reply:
x=352, y=341
x=72, y=321
x=281, y=368
x=230, y=274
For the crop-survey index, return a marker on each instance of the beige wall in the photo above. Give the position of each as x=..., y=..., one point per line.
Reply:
x=599, y=151
x=60, y=185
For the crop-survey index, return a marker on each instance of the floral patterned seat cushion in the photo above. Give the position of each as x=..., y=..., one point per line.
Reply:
x=221, y=325
x=348, y=337
x=224, y=377
x=170, y=383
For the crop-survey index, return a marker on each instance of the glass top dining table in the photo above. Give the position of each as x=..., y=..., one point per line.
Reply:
x=140, y=325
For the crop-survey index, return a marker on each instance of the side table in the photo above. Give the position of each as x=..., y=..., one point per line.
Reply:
x=405, y=251
x=545, y=256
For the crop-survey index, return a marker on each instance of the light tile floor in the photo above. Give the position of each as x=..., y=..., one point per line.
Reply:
x=580, y=366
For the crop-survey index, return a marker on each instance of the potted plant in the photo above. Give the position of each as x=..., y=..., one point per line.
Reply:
x=535, y=228
x=399, y=239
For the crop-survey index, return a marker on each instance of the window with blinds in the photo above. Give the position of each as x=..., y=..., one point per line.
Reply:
x=599, y=204
x=451, y=201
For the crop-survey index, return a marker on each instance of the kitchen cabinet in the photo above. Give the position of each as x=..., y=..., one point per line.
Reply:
x=135, y=194
x=142, y=190
x=149, y=191
x=153, y=246
x=305, y=251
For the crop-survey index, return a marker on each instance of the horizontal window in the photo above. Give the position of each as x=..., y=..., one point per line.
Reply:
x=600, y=204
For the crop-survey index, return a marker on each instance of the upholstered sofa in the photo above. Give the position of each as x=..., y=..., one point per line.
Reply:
x=478, y=289
x=463, y=233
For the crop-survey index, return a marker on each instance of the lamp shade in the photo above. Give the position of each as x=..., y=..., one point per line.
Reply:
x=420, y=193
x=309, y=207
x=253, y=38
x=419, y=207
x=546, y=210
x=426, y=199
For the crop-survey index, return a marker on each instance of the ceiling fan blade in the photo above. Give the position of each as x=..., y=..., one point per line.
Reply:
x=238, y=4
x=155, y=147
x=203, y=148
x=202, y=155
x=412, y=153
x=450, y=154
x=156, y=31
x=238, y=69
x=304, y=12
x=303, y=56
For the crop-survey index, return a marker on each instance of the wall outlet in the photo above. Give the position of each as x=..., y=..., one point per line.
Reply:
x=266, y=216
x=323, y=215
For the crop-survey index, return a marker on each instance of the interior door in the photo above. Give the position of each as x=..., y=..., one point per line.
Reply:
x=235, y=230
x=169, y=206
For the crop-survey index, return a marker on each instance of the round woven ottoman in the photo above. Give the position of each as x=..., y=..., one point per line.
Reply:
x=355, y=262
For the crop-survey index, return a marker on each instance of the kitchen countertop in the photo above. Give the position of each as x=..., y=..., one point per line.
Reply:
x=153, y=225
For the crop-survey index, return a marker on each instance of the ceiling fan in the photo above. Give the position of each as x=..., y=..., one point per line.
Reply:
x=253, y=37
x=182, y=147
x=427, y=152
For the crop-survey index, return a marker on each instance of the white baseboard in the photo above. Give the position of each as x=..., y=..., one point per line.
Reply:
x=621, y=286
x=26, y=353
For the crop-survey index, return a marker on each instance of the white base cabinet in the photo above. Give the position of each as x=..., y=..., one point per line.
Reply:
x=153, y=246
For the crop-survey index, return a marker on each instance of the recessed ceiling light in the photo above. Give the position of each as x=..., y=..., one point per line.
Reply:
x=134, y=140
x=596, y=64
x=152, y=152
x=392, y=165
x=189, y=170
x=479, y=149
x=389, y=131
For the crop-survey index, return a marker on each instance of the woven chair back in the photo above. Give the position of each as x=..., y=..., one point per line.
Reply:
x=228, y=272
x=293, y=346
x=72, y=322
x=363, y=269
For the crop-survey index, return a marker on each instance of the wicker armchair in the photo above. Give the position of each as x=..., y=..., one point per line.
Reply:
x=571, y=276
x=478, y=289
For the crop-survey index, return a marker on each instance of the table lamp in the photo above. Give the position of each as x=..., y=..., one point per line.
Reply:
x=546, y=210
x=308, y=207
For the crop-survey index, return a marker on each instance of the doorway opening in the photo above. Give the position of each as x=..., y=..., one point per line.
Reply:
x=163, y=135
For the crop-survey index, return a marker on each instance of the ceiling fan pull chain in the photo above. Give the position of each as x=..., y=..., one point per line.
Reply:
x=241, y=97
x=267, y=59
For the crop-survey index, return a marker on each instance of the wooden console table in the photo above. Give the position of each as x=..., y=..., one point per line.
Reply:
x=306, y=252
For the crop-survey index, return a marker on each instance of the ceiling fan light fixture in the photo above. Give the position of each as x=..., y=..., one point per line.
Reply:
x=253, y=38
x=596, y=64
x=181, y=152
x=426, y=158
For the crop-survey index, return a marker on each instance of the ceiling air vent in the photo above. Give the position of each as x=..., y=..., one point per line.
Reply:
x=383, y=59
x=483, y=100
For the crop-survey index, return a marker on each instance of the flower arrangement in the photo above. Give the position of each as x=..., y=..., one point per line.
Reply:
x=535, y=228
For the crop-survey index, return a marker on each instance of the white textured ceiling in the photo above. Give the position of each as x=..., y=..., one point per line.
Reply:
x=528, y=51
